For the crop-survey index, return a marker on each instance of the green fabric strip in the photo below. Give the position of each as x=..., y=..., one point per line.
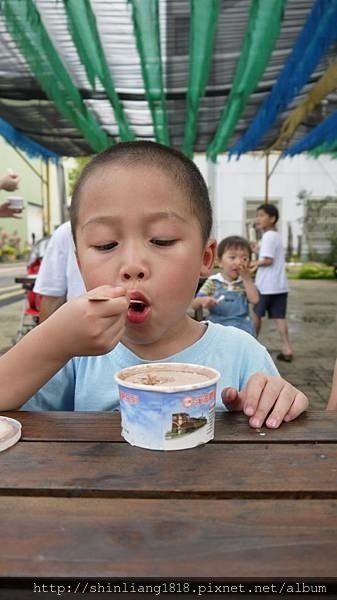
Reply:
x=85, y=35
x=146, y=28
x=325, y=148
x=260, y=38
x=26, y=27
x=204, y=19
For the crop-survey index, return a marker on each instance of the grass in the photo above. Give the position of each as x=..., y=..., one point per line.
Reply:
x=310, y=270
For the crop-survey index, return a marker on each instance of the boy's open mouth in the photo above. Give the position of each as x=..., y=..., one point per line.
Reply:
x=138, y=311
x=137, y=305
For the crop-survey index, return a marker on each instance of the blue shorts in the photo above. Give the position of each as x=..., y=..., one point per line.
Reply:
x=275, y=305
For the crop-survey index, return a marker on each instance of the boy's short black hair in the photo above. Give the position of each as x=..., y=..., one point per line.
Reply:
x=270, y=209
x=186, y=174
x=233, y=241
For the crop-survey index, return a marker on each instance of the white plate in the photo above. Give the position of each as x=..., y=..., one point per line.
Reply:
x=10, y=432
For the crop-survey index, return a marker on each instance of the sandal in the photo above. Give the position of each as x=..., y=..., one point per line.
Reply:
x=285, y=357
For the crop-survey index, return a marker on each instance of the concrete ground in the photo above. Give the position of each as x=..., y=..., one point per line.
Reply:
x=312, y=318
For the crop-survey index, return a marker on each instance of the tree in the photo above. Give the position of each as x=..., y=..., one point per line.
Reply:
x=73, y=174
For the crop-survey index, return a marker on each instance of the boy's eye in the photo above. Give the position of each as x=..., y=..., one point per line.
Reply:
x=109, y=246
x=163, y=242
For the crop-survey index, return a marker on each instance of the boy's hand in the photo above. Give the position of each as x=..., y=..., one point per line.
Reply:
x=81, y=327
x=253, y=266
x=9, y=181
x=206, y=301
x=266, y=399
x=7, y=211
x=244, y=272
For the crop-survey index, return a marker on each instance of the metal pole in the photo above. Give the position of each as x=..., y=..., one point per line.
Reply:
x=46, y=200
x=266, y=193
x=212, y=188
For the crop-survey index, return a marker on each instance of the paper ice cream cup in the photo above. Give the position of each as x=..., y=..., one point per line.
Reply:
x=15, y=202
x=167, y=406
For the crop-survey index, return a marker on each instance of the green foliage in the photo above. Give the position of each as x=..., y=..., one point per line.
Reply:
x=74, y=173
x=315, y=271
x=8, y=253
x=9, y=250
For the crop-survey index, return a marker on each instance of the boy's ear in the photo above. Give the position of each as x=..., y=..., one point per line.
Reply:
x=208, y=258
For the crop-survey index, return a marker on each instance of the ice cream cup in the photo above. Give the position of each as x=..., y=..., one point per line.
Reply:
x=15, y=202
x=167, y=406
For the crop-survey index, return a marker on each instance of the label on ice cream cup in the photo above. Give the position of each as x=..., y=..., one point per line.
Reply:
x=167, y=406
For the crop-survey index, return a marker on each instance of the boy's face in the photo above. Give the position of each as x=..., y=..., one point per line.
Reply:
x=232, y=262
x=136, y=230
x=263, y=221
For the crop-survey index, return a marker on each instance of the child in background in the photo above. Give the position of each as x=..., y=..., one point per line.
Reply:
x=271, y=279
x=227, y=294
x=141, y=220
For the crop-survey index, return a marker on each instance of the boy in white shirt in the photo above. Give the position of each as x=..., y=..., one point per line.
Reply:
x=271, y=280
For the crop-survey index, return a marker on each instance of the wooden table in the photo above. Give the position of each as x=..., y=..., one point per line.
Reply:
x=76, y=500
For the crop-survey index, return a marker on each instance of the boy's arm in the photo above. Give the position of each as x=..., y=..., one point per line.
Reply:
x=261, y=262
x=251, y=290
x=204, y=297
x=79, y=328
x=266, y=399
x=203, y=302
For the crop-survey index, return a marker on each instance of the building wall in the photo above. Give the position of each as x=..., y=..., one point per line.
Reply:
x=232, y=183
x=42, y=205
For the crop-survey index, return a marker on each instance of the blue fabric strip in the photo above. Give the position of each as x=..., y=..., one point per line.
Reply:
x=31, y=148
x=325, y=132
x=318, y=33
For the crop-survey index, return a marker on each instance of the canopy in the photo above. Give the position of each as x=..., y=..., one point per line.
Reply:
x=201, y=75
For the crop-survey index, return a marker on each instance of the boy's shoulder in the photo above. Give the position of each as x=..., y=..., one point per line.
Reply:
x=271, y=234
x=227, y=333
x=217, y=277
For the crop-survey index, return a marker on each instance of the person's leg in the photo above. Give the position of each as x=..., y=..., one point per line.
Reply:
x=282, y=328
x=278, y=309
x=258, y=312
x=257, y=321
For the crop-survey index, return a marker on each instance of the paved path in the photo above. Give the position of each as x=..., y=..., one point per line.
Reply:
x=312, y=316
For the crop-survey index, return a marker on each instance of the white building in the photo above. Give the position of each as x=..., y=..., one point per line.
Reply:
x=237, y=187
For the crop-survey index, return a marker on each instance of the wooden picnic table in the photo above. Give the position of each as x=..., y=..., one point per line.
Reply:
x=78, y=501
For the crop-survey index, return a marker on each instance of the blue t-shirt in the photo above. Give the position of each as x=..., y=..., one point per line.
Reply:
x=87, y=383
